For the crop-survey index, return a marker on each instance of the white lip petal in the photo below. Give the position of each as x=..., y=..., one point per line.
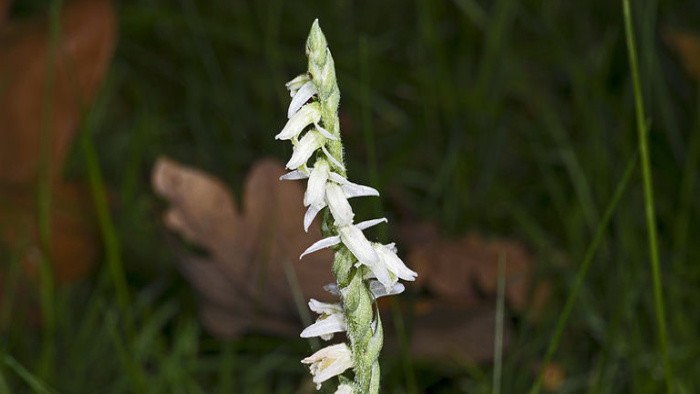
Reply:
x=369, y=223
x=381, y=272
x=310, y=215
x=324, y=326
x=304, y=149
x=305, y=92
x=308, y=114
x=296, y=83
x=294, y=175
x=355, y=241
x=394, y=264
x=316, y=186
x=354, y=190
x=339, y=205
x=344, y=389
x=379, y=290
x=328, y=362
x=324, y=243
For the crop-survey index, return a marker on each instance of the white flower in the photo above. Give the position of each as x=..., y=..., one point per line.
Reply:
x=331, y=320
x=316, y=186
x=393, y=264
x=351, y=236
x=305, y=148
x=310, y=113
x=328, y=362
x=340, y=209
x=305, y=92
x=338, y=204
x=344, y=389
x=295, y=84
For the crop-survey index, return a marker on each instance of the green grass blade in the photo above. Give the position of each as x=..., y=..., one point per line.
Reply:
x=648, y=196
x=46, y=367
x=498, y=336
x=581, y=274
x=32, y=381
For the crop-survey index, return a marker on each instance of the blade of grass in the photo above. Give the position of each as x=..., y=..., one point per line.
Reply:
x=382, y=235
x=498, y=336
x=648, y=196
x=108, y=232
x=46, y=367
x=583, y=269
x=32, y=381
x=136, y=376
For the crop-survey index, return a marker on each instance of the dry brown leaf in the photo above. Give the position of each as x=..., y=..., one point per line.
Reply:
x=688, y=47
x=463, y=271
x=86, y=44
x=447, y=332
x=242, y=283
x=74, y=243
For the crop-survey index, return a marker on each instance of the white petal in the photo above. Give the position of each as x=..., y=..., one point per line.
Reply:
x=324, y=326
x=337, y=178
x=310, y=215
x=325, y=307
x=369, y=223
x=305, y=92
x=392, y=247
x=324, y=243
x=316, y=186
x=325, y=132
x=331, y=158
x=296, y=83
x=394, y=264
x=354, y=190
x=380, y=271
x=304, y=149
x=308, y=114
x=344, y=389
x=332, y=288
x=328, y=362
x=379, y=290
x=339, y=205
x=356, y=242
x=294, y=175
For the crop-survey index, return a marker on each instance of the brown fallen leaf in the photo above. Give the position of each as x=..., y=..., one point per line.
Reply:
x=465, y=270
x=687, y=45
x=85, y=48
x=74, y=240
x=86, y=45
x=450, y=333
x=242, y=282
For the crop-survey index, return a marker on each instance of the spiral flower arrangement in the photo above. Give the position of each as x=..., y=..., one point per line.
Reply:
x=364, y=270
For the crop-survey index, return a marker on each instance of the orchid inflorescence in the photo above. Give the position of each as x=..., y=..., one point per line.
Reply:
x=364, y=270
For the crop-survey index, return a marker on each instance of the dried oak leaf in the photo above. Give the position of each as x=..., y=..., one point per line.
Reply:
x=85, y=47
x=246, y=280
x=74, y=241
x=462, y=271
x=687, y=45
x=454, y=316
x=84, y=50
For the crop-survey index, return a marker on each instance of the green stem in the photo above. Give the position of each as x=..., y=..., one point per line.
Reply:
x=581, y=274
x=648, y=196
